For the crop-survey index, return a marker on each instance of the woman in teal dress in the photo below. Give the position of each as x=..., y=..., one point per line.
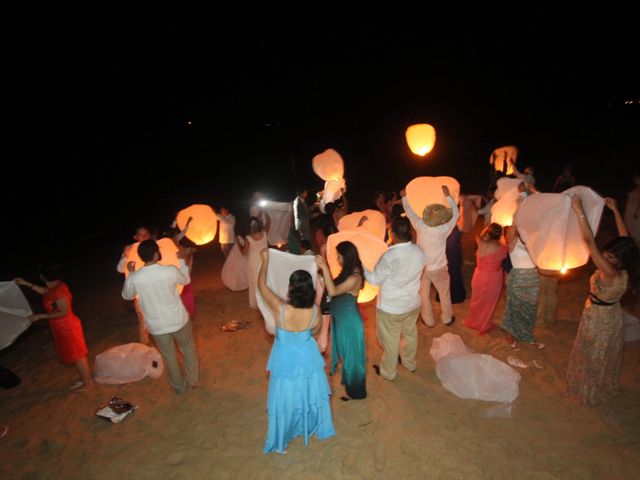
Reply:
x=347, y=329
x=298, y=400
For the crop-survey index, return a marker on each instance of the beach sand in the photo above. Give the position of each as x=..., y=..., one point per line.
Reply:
x=409, y=428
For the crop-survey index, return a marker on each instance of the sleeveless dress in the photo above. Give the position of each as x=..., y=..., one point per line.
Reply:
x=235, y=269
x=347, y=343
x=594, y=365
x=486, y=287
x=254, y=262
x=298, y=400
x=68, y=337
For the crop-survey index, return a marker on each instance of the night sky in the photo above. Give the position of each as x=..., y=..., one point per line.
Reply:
x=111, y=102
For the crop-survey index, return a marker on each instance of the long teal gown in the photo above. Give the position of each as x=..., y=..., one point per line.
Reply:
x=347, y=344
x=298, y=401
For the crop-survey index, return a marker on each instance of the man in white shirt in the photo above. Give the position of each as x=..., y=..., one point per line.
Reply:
x=301, y=215
x=433, y=228
x=226, y=235
x=164, y=314
x=398, y=273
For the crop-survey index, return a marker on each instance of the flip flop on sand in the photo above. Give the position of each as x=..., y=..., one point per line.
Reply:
x=516, y=362
x=538, y=364
x=76, y=385
x=538, y=344
x=3, y=431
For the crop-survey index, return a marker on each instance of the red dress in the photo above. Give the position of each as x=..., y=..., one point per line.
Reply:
x=486, y=286
x=67, y=331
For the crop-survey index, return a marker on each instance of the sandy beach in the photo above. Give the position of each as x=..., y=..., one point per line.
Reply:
x=406, y=429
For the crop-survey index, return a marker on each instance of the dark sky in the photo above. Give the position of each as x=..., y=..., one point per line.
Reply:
x=110, y=101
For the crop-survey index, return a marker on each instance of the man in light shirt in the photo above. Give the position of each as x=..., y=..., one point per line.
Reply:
x=433, y=228
x=301, y=215
x=164, y=314
x=398, y=273
x=226, y=235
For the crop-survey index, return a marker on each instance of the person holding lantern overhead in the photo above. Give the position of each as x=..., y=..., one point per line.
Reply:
x=433, y=229
x=347, y=329
x=596, y=357
x=254, y=243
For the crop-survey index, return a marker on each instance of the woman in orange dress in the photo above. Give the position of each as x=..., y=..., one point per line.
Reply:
x=66, y=328
x=488, y=279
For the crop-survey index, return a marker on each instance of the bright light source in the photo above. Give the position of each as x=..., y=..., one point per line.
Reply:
x=564, y=270
x=262, y=203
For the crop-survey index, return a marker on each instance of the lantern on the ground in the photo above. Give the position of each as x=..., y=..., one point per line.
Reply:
x=423, y=191
x=421, y=138
x=370, y=249
x=507, y=196
x=372, y=221
x=203, y=226
x=549, y=227
x=504, y=155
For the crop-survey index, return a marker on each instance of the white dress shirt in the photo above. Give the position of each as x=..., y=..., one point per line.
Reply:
x=227, y=226
x=398, y=273
x=156, y=288
x=433, y=240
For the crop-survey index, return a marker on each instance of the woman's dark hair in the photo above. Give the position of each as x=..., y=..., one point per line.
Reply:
x=301, y=291
x=350, y=262
x=50, y=271
x=147, y=249
x=255, y=225
x=396, y=211
x=626, y=251
x=494, y=231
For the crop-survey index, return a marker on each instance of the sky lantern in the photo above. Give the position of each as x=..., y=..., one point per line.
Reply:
x=168, y=252
x=423, y=191
x=372, y=221
x=328, y=165
x=549, y=227
x=370, y=249
x=204, y=225
x=421, y=138
x=507, y=196
x=504, y=154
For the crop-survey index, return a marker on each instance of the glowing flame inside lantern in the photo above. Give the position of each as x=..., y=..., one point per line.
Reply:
x=504, y=154
x=563, y=270
x=421, y=138
x=203, y=226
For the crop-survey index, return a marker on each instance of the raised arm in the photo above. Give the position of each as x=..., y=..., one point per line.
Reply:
x=348, y=285
x=596, y=255
x=620, y=225
x=32, y=286
x=273, y=301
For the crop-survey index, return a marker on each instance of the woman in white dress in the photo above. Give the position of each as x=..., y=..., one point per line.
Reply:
x=256, y=241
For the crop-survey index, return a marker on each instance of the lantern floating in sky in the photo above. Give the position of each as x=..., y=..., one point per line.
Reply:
x=370, y=249
x=203, y=226
x=507, y=195
x=504, y=154
x=423, y=191
x=374, y=222
x=328, y=165
x=549, y=227
x=421, y=138
x=168, y=254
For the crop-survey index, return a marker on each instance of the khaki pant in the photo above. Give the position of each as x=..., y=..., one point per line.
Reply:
x=442, y=283
x=142, y=329
x=547, y=300
x=166, y=345
x=390, y=328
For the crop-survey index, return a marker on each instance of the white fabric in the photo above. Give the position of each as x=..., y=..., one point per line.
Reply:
x=375, y=222
x=549, y=227
x=333, y=190
x=398, y=273
x=631, y=327
x=506, y=204
x=281, y=266
x=227, y=226
x=473, y=375
x=156, y=288
x=14, y=310
x=520, y=257
x=432, y=240
x=469, y=205
x=281, y=214
x=235, y=269
x=127, y=363
x=328, y=165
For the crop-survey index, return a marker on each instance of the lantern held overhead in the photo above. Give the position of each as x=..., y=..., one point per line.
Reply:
x=423, y=191
x=372, y=221
x=203, y=226
x=503, y=155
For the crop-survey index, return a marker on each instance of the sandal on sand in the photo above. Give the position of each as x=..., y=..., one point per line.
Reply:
x=515, y=346
x=538, y=364
x=516, y=362
x=77, y=384
x=3, y=431
x=539, y=345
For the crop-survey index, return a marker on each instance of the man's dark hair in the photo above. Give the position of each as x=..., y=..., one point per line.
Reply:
x=147, y=249
x=401, y=229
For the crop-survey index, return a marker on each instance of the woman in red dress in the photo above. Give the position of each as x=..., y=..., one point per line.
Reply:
x=488, y=279
x=65, y=326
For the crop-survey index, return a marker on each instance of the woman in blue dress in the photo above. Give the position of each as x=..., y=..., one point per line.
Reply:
x=298, y=400
x=347, y=329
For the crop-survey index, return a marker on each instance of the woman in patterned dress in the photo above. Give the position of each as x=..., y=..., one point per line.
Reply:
x=594, y=365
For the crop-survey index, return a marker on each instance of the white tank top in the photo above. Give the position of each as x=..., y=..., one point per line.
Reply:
x=520, y=256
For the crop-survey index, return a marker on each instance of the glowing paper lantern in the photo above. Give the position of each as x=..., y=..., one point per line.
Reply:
x=504, y=154
x=328, y=165
x=421, y=138
x=203, y=226
x=423, y=191
x=370, y=248
x=375, y=222
x=332, y=190
x=507, y=195
x=168, y=252
x=549, y=227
